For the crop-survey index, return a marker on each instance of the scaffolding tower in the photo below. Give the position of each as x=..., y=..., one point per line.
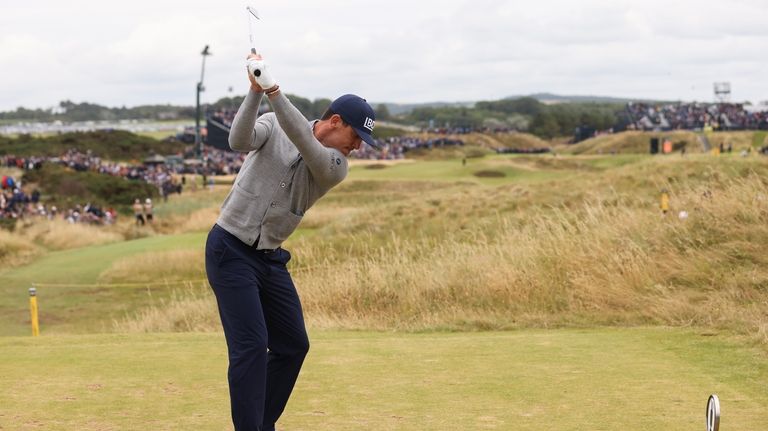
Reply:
x=723, y=92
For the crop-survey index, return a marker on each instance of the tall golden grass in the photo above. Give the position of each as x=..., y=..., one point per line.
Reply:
x=60, y=235
x=156, y=267
x=593, y=250
x=199, y=220
x=16, y=250
x=631, y=142
x=192, y=309
x=604, y=265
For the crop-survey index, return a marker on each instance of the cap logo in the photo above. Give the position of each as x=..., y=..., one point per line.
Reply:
x=368, y=124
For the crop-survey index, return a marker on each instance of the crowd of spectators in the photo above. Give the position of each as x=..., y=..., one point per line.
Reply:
x=16, y=204
x=223, y=116
x=692, y=116
x=222, y=162
x=162, y=176
x=395, y=148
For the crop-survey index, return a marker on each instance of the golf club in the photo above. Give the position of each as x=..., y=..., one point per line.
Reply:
x=251, y=15
x=713, y=413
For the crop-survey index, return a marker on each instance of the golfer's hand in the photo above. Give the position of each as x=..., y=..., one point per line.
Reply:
x=258, y=73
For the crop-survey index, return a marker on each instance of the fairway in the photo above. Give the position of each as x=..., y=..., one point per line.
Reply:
x=71, y=273
x=591, y=379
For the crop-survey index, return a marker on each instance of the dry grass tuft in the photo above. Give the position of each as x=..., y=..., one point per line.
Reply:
x=16, y=250
x=61, y=235
x=157, y=267
x=190, y=310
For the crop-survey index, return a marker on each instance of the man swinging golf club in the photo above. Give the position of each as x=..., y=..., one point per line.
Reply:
x=291, y=163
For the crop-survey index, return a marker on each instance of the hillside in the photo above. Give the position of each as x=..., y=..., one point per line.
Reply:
x=490, y=141
x=108, y=144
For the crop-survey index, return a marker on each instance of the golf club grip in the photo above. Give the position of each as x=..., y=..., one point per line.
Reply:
x=256, y=72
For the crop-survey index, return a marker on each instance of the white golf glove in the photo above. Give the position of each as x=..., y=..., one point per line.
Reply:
x=259, y=70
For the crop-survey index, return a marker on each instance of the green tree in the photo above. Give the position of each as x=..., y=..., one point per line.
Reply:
x=382, y=112
x=545, y=125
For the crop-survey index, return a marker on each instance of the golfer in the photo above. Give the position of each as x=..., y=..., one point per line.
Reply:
x=291, y=163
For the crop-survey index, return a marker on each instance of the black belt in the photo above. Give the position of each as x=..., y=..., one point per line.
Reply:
x=263, y=250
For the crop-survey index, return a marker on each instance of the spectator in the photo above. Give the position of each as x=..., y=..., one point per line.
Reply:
x=148, y=210
x=138, y=212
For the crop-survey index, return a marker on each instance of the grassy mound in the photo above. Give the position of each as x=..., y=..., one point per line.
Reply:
x=492, y=141
x=634, y=142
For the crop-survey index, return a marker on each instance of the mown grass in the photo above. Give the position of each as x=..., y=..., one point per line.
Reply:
x=605, y=379
x=70, y=295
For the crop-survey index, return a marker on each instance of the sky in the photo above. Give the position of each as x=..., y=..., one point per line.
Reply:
x=148, y=52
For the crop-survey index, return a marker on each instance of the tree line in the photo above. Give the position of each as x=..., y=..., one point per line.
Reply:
x=522, y=114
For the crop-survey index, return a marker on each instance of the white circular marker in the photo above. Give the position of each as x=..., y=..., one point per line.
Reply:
x=713, y=413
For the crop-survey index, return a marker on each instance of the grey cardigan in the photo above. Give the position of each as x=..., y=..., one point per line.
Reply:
x=286, y=171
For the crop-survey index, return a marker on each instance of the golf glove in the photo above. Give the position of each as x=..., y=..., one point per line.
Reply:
x=260, y=71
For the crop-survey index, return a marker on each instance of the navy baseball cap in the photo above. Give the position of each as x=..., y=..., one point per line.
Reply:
x=356, y=112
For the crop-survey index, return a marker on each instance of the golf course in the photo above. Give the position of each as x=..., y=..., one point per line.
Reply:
x=446, y=292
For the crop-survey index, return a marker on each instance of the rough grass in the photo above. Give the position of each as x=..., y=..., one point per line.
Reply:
x=638, y=142
x=61, y=235
x=492, y=140
x=467, y=256
x=631, y=142
x=609, y=265
x=738, y=140
x=190, y=309
x=153, y=267
x=582, y=244
x=15, y=250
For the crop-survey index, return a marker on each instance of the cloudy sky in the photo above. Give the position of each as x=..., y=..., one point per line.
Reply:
x=148, y=52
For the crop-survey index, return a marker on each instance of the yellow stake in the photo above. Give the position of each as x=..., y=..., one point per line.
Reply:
x=33, y=311
x=664, y=201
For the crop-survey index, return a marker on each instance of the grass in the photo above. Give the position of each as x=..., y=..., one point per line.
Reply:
x=69, y=298
x=759, y=139
x=59, y=234
x=558, y=241
x=597, y=379
x=659, y=312
x=453, y=170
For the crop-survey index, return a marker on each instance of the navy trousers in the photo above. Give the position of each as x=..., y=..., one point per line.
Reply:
x=263, y=325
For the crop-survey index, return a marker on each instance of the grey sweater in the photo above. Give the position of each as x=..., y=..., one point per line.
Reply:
x=286, y=171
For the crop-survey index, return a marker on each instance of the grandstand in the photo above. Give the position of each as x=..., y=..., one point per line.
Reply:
x=696, y=116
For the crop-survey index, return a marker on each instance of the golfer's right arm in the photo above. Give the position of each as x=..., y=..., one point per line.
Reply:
x=249, y=133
